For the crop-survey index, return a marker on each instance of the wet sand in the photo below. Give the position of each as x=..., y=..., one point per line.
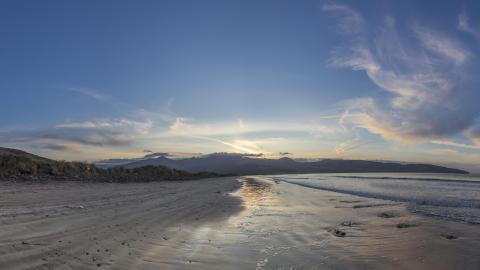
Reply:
x=72, y=225
x=228, y=223
x=305, y=228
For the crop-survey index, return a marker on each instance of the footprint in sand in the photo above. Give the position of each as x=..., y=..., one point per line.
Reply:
x=350, y=224
x=404, y=225
x=337, y=232
x=449, y=236
x=389, y=214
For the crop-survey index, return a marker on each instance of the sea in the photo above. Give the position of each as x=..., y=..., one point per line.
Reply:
x=453, y=197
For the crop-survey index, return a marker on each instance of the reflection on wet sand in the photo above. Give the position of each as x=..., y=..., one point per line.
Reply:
x=294, y=226
x=286, y=226
x=254, y=192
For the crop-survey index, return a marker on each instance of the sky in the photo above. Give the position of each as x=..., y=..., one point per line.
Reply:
x=380, y=80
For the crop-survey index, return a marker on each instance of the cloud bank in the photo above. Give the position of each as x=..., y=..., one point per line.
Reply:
x=73, y=136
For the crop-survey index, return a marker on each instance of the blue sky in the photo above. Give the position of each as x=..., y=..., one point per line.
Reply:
x=87, y=80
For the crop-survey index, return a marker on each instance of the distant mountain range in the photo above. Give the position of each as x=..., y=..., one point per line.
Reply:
x=17, y=164
x=238, y=164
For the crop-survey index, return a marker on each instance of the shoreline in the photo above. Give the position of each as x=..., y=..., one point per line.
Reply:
x=221, y=223
x=354, y=232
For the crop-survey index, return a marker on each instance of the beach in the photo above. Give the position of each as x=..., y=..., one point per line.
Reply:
x=255, y=222
x=75, y=225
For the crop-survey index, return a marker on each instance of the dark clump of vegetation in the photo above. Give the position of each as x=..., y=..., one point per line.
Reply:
x=19, y=165
x=150, y=173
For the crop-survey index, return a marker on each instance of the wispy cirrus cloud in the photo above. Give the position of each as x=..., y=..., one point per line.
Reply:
x=120, y=124
x=427, y=95
x=442, y=45
x=348, y=146
x=89, y=92
x=349, y=21
x=164, y=113
x=458, y=145
x=464, y=25
x=473, y=134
